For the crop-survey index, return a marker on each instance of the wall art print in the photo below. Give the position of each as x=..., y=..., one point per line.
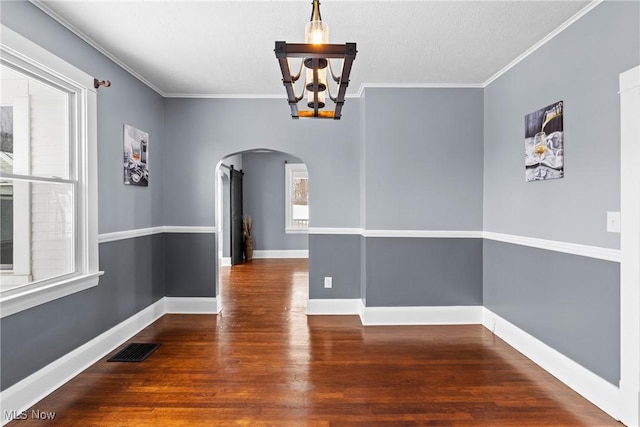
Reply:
x=544, y=143
x=136, y=146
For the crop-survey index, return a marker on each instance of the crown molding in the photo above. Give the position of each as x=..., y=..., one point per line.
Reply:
x=588, y=8
x=43, y=7
x=356, y=95
x=364, y=86
x=224, y=96
x=40, y=4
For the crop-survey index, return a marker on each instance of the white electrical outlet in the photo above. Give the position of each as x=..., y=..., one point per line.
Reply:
x=328, y=282
x=613, y=222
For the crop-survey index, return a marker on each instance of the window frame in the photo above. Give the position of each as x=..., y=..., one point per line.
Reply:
x=27, y=57
x=290, y=170
x=17, y=98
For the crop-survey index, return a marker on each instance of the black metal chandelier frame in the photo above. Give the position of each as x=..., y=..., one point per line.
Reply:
x=315, y=57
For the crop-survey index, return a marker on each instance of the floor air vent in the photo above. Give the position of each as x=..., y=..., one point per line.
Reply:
x=134, y=353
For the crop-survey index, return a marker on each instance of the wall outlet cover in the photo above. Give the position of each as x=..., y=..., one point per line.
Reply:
x=328, y=282
x=613, y=222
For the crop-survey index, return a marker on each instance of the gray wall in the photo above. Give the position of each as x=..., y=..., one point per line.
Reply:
x=264, y=200
x=362, y=153
x=133, y=280
x=190, y=265
x=569, y=302
x=423, y=272
x=133, y=269
x=423, y=159
x=399, y=159
x=580, y=66
x=335, y=256
x=127, y=101
x=215, y=128
x=421, y=155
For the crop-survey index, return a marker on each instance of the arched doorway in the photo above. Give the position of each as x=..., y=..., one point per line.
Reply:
x=275, y=197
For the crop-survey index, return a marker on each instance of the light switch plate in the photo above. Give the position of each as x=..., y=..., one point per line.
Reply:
x=613, y=222
x=328, y=282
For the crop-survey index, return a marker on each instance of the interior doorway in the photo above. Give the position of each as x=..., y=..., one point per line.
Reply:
x=254, y=184
x=236, y=215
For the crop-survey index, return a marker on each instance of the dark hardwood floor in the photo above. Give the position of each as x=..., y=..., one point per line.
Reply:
x=263, y=362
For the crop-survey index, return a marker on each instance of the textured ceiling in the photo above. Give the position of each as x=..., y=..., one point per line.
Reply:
x=226, y=47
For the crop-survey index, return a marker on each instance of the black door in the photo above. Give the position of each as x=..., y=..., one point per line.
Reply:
x=236, y=216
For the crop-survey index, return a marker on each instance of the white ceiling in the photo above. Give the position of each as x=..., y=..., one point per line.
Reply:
x=225, y=48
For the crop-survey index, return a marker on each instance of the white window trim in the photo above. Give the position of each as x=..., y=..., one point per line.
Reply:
x=21, y=53
x=290, y=169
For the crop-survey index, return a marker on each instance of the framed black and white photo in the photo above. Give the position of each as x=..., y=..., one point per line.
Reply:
x=136, y=150
x=544, y=143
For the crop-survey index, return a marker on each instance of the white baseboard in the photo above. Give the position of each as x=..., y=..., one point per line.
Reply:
x=333, y=306
x=34, y=388
x=454, y=315
x=369, y=316
x=287, y=253
x=40, y=384
x=225, y=261
x=629, y=402
x=592, y=387
x=192, y=305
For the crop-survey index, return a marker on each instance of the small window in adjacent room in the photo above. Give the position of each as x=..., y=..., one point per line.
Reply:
x=48, y=178
x=296, y=198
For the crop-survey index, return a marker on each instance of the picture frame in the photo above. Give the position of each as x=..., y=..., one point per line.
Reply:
x=135, y=156
x=544, y=143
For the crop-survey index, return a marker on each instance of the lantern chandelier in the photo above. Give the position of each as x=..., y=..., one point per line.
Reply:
x=316, y=56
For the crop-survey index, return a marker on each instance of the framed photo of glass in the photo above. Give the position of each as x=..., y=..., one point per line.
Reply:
x=135, y=151
x=544, y=143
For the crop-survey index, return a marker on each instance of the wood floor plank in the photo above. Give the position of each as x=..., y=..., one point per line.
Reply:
x=263, y=362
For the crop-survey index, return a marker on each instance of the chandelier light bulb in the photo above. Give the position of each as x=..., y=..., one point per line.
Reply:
x=316, y=32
